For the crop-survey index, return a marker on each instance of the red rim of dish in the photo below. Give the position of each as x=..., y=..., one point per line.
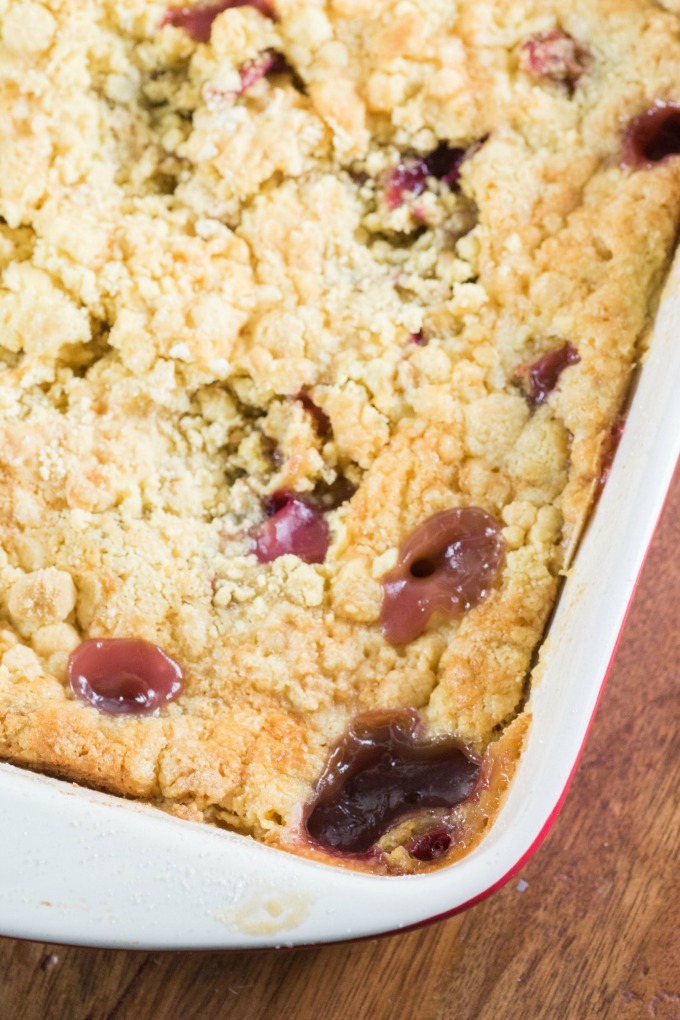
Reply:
x=498, y=884
x=552, y=817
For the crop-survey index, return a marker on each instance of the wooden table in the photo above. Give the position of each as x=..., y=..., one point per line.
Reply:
x=588, y=930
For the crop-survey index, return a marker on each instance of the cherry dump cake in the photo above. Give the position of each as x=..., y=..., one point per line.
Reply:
x=316, y=322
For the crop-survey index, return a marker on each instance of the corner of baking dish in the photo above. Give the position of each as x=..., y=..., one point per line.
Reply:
x=85, y=868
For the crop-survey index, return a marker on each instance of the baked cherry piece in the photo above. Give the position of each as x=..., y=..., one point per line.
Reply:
x=254, y=70
x=293, y=526
x=123, y=675
x=445, y=162
x=429, y=845
x=540, y=378
x=553, y=57
x=447, y=565
x=197, y=22
x=406, y=178
x=322, y=422
x=382, y=770
x=410, y=177
x=653, y=137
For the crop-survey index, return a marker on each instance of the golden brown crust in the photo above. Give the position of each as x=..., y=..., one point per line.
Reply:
x=180, y=260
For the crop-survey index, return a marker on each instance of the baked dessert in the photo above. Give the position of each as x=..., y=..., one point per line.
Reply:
x=317, y=319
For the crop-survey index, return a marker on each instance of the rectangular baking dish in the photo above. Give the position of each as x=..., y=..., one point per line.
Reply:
x=86, y=868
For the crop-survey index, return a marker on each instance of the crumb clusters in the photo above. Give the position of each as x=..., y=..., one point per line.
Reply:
x=225, y=273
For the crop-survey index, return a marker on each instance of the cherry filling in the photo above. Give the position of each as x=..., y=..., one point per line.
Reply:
x=541, y=377
x=411, y=176
x=266, y=62
x=554, y=57
x=448, y=565
x=610, y=447
x=292, y=526
x=653, y=137
x=403, y=179
x=197, y=22
x=322, y=422
x=430, y=845
x=445, y=163
x=382, y=770
x=123, y=675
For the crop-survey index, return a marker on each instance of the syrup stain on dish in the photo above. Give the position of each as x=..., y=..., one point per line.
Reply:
x=268, y=912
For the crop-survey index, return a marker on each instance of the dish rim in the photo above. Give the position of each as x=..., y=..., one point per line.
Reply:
x=118, y=874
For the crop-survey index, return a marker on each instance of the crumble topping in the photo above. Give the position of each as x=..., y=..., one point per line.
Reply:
x=313, y=253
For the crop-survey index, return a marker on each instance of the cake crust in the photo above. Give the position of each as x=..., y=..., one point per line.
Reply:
x=185, y=251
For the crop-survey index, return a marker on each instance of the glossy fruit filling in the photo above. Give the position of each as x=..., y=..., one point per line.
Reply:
x=322, y=422
x=430, y=845
x=383, y=770
x=553, y=57
x=197, y=21
x=653, y=137
x=410, y=176
x=448, y=565
x=292, y=526
x=254, y=70
x=540, y=378
x=123, y=675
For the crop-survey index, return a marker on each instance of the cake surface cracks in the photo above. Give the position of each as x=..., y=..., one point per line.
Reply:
x=293, y=269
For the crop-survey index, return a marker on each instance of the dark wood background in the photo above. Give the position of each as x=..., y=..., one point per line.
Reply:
x=590, y=929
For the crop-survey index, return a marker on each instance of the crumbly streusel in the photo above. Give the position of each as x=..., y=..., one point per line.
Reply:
x=183, y=256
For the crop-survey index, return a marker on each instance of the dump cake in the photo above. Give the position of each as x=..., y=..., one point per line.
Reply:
x=317, y=318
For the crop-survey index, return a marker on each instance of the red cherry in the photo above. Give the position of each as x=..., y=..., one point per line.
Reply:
x=266, y=62
x=410, y=176
x=554, y=57
x=382, y=770
x=123, y=675
x=293, y=526
x=448, y=565
x=403, y=179
x=322, y=422
x=540, y=378
x=429, y=845
x=197, y=22
x=653, y=137
x=445, y=162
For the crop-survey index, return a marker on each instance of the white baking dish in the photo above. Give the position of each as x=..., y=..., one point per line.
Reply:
x=85, y=868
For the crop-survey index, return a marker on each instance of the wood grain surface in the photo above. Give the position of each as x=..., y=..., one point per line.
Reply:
x=589, y=929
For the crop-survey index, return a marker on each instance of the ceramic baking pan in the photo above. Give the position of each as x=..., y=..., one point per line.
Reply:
x=82, y=867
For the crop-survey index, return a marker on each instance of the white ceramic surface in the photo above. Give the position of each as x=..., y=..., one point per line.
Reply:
x=85, y=868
